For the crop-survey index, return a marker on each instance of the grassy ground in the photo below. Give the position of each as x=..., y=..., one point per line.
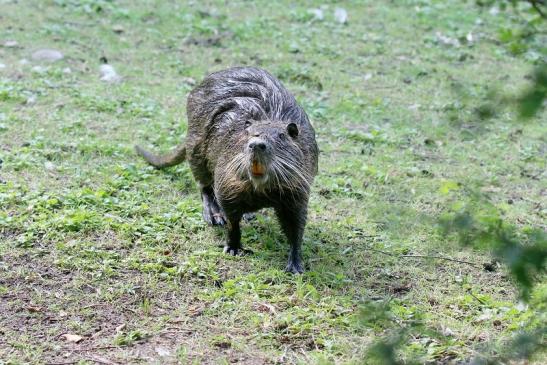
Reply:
x=95, y=243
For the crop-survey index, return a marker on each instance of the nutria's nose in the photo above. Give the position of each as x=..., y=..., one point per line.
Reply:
x=257, y=146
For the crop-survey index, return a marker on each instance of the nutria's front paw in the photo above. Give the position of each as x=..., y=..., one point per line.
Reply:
x=237, y=251
x=294, y=267
x=234, y=251
x=247, y=217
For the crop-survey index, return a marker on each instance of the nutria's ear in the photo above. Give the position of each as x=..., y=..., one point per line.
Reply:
x=292, y=129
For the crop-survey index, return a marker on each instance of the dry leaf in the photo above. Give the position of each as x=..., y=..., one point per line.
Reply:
x=195, y=310
x=265, y=307
x=72, y=338
x=34, y=309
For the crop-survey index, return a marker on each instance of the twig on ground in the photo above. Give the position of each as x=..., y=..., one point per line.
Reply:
x=96, y=348
x=100, y=360
x=444, y=258
x=426, y=257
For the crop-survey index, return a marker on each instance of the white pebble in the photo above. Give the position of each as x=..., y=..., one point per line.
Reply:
x=49, y=55
x=109, y=74
x=39, y=69
x=31, y=100
x=49, y=166
x=10, y=44
x=341, y=15
x=317, y=13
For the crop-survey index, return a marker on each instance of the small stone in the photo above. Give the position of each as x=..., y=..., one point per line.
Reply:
x=341, y=15
x=23, y=61
x=469, y=37
x=39, y=69
x=2, y=66
x=447, y=41
x=48, y=55
x=48, y=165
x=67, y=70
x=487, y=315
x=10, y=44
x=188, y=80
x=317, y=13
x=31, y=100
x=293, y=48
x=117, y=28
x=162, y=351
x=72, y=338
x=108, y=74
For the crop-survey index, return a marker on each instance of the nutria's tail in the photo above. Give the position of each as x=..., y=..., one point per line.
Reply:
x=160, y=161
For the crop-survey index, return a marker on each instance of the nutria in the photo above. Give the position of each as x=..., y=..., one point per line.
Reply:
x=250, y=146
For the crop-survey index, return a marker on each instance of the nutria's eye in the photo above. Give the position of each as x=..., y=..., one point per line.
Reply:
x=247, y=124
x=293, y=130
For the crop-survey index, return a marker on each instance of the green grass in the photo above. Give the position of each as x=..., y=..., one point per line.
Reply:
x=94, y=242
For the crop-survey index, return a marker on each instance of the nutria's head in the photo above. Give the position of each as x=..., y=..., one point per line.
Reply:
x=272, y=153
x=269, y=158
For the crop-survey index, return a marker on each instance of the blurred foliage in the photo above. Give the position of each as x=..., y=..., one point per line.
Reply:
x=528, y=103
x=522, y=347
x=537, y=6
x=381, y=315
x=478, y=223
x=527, y=34
x=532, y=101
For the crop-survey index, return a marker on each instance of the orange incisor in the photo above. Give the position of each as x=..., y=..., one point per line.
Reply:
x=257, y=168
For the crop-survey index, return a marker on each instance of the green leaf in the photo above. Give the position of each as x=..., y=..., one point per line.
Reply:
x=448, y=186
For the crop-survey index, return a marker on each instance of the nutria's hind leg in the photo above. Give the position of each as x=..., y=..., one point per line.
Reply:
x=212, y=212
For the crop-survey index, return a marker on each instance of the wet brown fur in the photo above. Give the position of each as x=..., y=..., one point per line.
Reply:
x=226, y=111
